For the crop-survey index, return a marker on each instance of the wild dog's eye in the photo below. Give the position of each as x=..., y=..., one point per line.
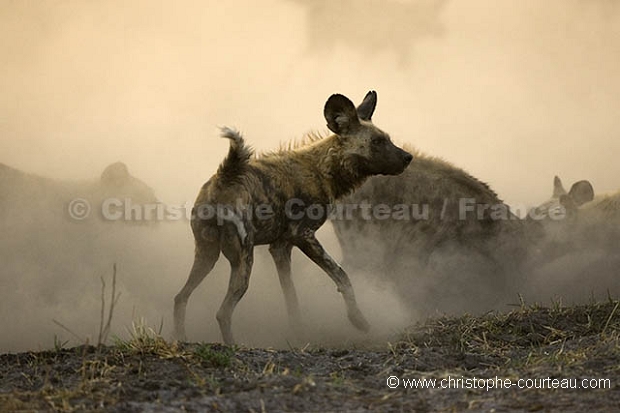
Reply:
x=378, y=140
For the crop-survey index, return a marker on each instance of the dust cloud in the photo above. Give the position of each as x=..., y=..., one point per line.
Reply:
x=513, y=92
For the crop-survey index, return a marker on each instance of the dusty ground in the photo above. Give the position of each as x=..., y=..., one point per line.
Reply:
x=146, y=373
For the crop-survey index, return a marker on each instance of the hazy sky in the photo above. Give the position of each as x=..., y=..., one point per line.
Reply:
x=512, y=91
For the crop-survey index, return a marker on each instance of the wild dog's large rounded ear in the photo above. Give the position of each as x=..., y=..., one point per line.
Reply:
x=558, y=188
x=581, y=192
x=340, y=114
x=367, y=107
x=115, y=174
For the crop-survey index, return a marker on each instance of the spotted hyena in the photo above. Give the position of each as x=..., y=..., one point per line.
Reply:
x=44, y=238
x=30, y=197
x=443, y=237
x=53, y=256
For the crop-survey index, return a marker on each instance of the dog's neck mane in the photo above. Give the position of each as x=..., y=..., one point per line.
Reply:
x=341, y=172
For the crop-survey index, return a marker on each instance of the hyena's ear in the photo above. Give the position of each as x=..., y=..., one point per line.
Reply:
x=558, y=188
x=367, y=107
x=581, y=192
x=340, y=115
x=115, y=174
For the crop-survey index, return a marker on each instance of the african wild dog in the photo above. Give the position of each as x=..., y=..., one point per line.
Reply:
x=314, y=174
x=578, y=252
x=606, y=206
x=558, y=218
x=579, y=219
x=563, y=202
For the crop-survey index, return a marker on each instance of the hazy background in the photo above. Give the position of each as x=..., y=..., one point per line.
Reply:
x=514, y=92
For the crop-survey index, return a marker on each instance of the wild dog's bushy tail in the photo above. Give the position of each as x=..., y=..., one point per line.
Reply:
x=238, y=156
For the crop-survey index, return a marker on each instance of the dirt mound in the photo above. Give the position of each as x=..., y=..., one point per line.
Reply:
x=555, y=358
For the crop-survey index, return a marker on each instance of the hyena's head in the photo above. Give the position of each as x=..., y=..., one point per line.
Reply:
x=116, y=182
x=367, y=149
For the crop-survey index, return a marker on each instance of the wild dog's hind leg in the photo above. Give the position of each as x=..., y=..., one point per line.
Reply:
x=206, y=255
x=281, y=254
x=241, y=257
x=315, y=251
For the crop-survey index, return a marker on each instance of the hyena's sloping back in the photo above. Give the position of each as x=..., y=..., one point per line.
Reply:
x=427, y=183
x=438, y=260
x=46, y=199
x=55, y=252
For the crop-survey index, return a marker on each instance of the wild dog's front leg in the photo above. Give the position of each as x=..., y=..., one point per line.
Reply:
x=281, y=253
x=315, y=251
